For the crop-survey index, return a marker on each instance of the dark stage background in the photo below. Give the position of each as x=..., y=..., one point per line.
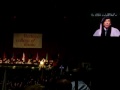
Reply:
x=67, y=30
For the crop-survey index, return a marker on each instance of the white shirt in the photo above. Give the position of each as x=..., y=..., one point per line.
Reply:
x=114, y=32
x=105, y=31
x=81, y=85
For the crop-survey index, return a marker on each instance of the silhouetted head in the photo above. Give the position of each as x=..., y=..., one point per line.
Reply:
x=63, y=84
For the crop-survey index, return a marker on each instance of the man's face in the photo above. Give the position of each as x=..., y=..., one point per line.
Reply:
x=107, y=23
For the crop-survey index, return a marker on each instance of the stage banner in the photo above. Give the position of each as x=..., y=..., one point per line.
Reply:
x=27, y=40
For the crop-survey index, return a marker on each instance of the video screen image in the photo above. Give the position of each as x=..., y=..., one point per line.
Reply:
x=105, y=24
